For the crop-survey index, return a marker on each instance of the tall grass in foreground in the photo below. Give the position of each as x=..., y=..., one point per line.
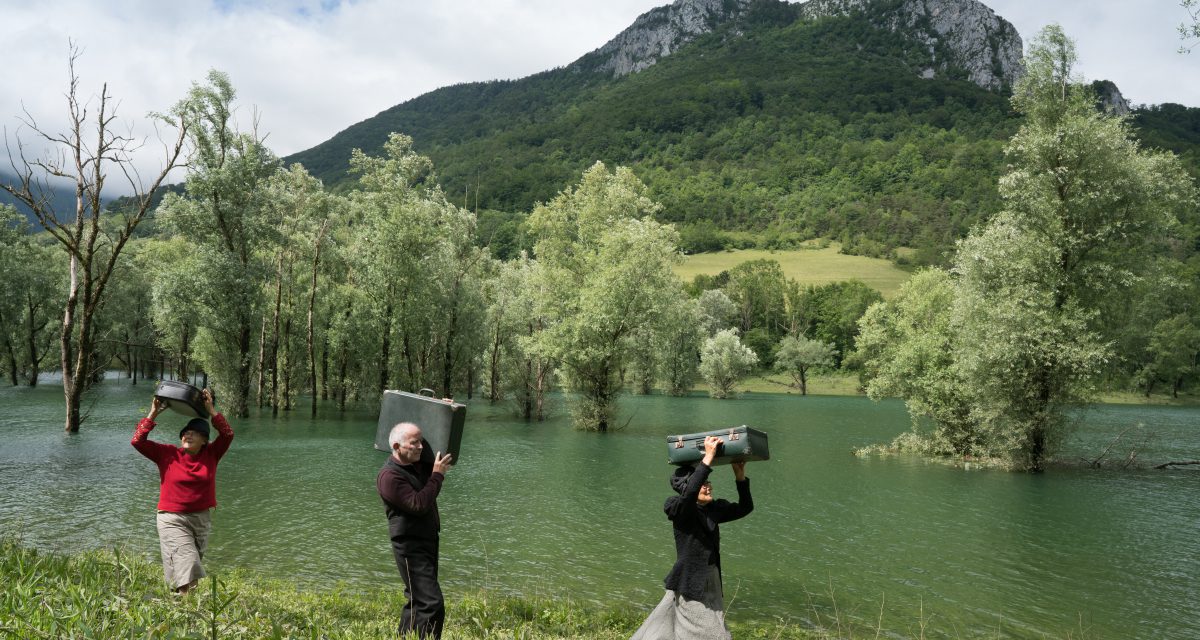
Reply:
x=109, y=594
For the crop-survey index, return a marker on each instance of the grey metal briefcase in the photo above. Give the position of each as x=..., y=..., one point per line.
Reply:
x=441, y=421
x=738, y=444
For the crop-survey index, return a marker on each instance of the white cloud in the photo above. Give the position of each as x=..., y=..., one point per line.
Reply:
x=312, y=68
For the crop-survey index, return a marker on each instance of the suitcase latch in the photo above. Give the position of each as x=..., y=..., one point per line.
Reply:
x=733, y=435
x=678, y=442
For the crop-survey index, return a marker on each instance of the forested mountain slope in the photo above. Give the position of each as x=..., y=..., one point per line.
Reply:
x=857, y=120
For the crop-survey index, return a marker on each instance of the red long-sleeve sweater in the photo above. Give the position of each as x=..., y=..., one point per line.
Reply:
x=189, y=483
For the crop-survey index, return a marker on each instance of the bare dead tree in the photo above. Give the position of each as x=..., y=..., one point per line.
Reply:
x=85, y=154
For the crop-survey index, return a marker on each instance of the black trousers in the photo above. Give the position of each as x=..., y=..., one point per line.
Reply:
x=425, y=611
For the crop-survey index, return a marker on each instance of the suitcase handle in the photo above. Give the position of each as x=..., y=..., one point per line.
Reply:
x=733, y=435
x=426, y=392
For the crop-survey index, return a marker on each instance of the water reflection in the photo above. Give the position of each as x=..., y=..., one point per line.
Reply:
x=541, y=509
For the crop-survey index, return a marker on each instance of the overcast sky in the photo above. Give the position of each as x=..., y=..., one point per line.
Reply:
x=314, y=67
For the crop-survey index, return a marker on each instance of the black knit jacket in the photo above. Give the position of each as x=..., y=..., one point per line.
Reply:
x=697, y=536
x=409, y=493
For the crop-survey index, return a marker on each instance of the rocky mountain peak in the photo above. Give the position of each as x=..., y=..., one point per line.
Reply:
x=658, y=33
x=959, y=34
x=1109, y=98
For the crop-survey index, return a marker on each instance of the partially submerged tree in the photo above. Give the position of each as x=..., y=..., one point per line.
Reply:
x=603, y=263
x=86, y=155
x=1025, y=337
x=724, y=360
x=31, y=275
x=223, y=216
x=798, y=356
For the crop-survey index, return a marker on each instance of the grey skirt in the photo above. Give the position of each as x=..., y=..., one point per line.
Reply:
x=679, y=618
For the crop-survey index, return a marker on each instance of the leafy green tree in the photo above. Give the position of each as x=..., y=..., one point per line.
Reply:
x=508, y=313
x=302, y=214
x=1025, y=338
x=129, y=332
x=594, y=295
x=224, y=216
x=798, y=355
x=909, y=349
x=415, y=260
x=1084, y=206
x=176, y=274
x=31, y=274
x=756, y=288
x=717, y=311
x=724, y=360
x=831, y=312
x=1174, y=351
x=682, y=336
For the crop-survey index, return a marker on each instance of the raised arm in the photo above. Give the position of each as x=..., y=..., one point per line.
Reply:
x=141, y=436
x=224, y=431
x=726, y=511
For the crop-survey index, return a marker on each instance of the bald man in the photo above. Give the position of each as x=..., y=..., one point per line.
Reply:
x=409, y=485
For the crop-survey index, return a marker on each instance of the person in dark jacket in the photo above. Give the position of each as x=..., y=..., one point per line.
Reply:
x=693, y=607
x=409, y=484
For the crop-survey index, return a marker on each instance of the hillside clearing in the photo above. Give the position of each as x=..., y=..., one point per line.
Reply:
x=806, y=266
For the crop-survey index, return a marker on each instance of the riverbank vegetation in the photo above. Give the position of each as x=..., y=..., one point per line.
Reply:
x=258, y=280
x=105, y=594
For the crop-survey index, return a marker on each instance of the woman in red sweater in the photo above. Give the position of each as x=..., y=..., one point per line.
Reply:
x=188, y=490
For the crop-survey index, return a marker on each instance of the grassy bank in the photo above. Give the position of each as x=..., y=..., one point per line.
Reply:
x=108, y=594
x=807, y=266
x=848, y=384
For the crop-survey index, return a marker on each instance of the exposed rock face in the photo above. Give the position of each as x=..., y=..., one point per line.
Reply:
x=963, y=34
x=960, y=35
x=1109, y=98
x=657, y=33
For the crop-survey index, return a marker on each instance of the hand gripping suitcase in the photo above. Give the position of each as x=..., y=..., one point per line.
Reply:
x=738, y=444
x=441, y=421
x=181, y=397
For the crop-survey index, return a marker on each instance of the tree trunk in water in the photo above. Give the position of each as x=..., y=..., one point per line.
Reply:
x=275, y=337
x=287, y=364
x=448, y=358
x=71, y=394
x=385, y=349
x=494, y=368
x=11, y=352
x=34, y=359
x=240, y=405
x=184, y=346
x=527, y=391
x=342, y=382
x=310, y=342
x=262, y=363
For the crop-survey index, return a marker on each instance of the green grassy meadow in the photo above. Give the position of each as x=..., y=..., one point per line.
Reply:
x=816, y=266
x=107, y=594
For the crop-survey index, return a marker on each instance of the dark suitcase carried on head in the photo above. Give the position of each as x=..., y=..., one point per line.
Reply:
x=738, y=444
x=441, y=421
x=181, y=397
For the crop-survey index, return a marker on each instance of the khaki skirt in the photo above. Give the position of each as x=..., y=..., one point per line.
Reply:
x=182, y=539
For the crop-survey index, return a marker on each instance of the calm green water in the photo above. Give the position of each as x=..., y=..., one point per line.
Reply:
x=542, y=509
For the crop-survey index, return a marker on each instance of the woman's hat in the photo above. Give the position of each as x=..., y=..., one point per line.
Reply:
x=679, y=479
x=199, y=425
